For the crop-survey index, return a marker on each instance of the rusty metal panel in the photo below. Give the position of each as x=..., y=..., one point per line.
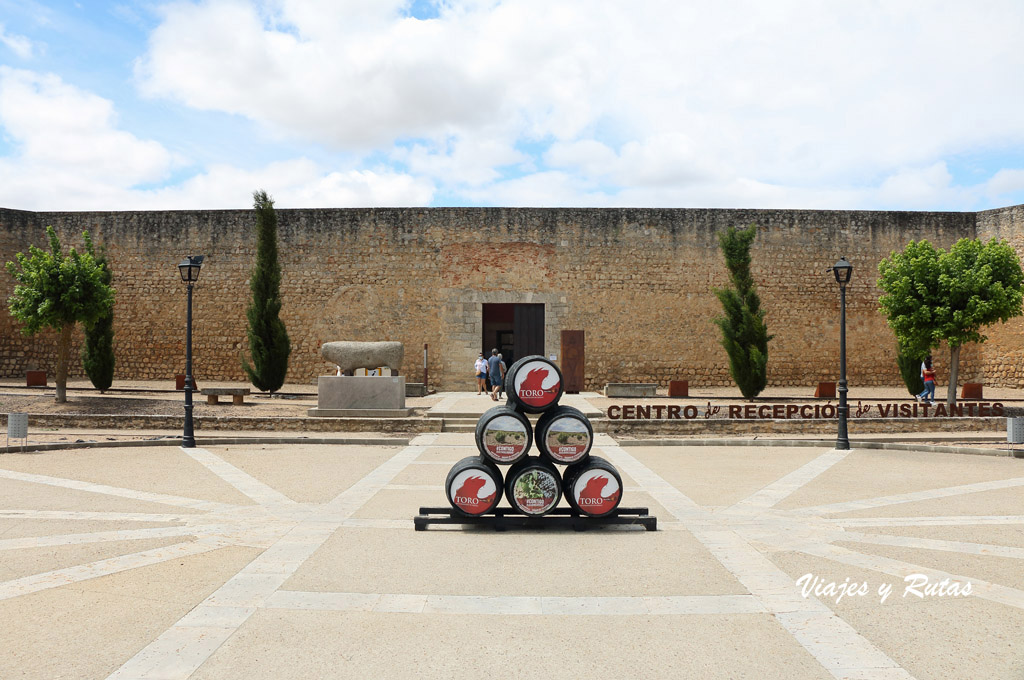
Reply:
x=573, y=361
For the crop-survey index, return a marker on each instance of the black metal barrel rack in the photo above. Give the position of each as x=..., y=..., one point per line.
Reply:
x=532, y=485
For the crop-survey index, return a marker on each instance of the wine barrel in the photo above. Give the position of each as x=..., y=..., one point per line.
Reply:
x=593, y=486
x=533, y=486
x=503, y=435
x=564, y=435
x=474, y=486
x=534, y=384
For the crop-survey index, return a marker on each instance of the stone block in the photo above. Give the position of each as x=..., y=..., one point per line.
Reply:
x=415, y=390
x=360, y=393
x=631, y=390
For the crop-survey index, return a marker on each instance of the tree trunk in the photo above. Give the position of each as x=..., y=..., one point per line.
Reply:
x=954, y=374
x=63, y=350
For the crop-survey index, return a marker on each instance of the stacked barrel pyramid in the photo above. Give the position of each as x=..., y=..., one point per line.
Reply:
x=533, y=484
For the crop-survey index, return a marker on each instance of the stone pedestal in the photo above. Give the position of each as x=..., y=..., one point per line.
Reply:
x=360, y=397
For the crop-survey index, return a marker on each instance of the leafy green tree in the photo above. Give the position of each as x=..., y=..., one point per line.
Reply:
x=744, y=332
x=268, y=339
x=55, y=290
x=932, y=296
x=98, y=353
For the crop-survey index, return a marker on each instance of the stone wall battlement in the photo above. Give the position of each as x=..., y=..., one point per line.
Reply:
x=640, y=282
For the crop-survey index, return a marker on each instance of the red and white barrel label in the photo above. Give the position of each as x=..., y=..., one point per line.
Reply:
x=567, y=440
x=596, y=492
x=473, y=492
x=504, y=439
x=537, y=384
x=535, y=492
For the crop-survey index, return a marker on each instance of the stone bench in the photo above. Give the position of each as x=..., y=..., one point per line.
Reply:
x=213, y=394
x=631, y=390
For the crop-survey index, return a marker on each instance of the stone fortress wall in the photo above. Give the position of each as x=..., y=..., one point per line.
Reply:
x=638, y=281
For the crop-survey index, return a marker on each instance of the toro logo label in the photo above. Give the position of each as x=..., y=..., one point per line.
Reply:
x=597, y=492
x=474, y=493
x=536, y=384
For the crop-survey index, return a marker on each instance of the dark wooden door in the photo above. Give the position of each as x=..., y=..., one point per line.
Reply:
x=528, y=327
x=573, y=361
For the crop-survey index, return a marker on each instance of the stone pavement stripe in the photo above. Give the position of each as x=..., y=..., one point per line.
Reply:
x=935, y=544
x=830, y=640
x=98, y=516
x=447, y=402
x=354, y=523
x=102, y=536
x=179, y=651
x=164, y=499
x=113, y=565
x=239, y=479
x=958, y=520
x=881, y=501
x=983, y=589
x=517, y=605
x=780, y=489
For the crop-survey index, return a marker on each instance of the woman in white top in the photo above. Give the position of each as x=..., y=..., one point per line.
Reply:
x=480, y=369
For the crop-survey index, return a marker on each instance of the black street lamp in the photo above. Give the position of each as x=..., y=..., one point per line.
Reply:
x=189, y=269
x=843, y=271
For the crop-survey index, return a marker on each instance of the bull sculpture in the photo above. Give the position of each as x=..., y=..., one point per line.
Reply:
x=369, y=355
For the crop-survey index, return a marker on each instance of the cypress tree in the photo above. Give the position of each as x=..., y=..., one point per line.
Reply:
x=98, y=353
x=910, y=371
x=268, y=339
x=744, y=332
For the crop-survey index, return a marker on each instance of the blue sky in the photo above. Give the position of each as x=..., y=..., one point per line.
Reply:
x=349, y=103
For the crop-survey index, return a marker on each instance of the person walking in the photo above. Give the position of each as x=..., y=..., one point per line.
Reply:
x=495, y=372
x=480, y=371
x=928, y=375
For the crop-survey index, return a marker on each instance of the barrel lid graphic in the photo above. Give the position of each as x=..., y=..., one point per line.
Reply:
x=533, y=486
x=473, y=492
x=565, y=435
x=535, y=492
x=596, y=492
x=474, y=486
x=503, y=435
x=534, y=383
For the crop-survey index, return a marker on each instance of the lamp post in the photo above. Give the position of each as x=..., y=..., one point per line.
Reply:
x=843, y=271
x=189, y=270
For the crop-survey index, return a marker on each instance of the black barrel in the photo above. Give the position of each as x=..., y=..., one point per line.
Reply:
x=534, y=384
x=533, y=486
x=473, y=486
x=564, y=435
x=593, y=486
x=503, y=435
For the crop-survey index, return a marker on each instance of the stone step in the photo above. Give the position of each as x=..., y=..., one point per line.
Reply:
x=458, y=427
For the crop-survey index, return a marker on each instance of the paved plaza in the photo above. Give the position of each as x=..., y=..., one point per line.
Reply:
x=300, y=561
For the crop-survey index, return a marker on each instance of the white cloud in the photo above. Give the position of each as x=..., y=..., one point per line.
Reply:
x=1006, y=181
x=786, y=98
x=60, y=128
x=70, y=155
x=19, y=44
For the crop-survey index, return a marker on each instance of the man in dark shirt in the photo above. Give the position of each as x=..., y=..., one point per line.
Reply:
x=496, y=372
